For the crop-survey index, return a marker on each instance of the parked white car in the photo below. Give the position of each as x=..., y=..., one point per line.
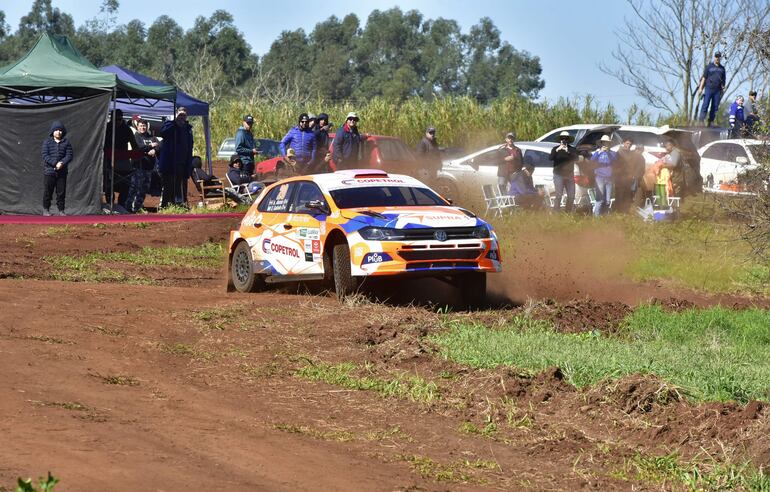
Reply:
x=723, y=160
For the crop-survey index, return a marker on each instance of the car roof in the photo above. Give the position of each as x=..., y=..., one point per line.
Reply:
x=739, y=141
x=544, y=146
x=358, y=178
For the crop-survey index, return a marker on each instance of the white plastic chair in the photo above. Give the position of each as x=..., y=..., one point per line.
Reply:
x=496, y=202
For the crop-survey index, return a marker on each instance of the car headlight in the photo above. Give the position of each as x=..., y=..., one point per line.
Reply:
x=481, y=232
x=380, y=234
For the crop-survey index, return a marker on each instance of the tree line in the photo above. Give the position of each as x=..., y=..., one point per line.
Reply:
x=394, y=54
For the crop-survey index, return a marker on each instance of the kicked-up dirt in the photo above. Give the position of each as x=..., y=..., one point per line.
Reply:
x=178, y=385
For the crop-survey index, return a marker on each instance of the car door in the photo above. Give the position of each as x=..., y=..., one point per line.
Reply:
x=306, y=228
x=277, y=250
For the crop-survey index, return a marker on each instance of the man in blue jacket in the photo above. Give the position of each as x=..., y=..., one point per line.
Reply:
x=603, y=158
x=302, y=139
x=713, y=82
x=245, y=145
x=737, y=119
x=175, y=164
x=347, y=144
x=57, y=154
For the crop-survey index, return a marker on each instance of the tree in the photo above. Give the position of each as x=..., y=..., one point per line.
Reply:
x=5, y=29
x=164, y=38
x=333, y=74
x=664, y=47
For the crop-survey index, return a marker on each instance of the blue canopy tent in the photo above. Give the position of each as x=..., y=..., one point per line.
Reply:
x=195, y=107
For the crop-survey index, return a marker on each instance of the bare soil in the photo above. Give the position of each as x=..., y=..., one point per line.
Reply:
x=179, y=385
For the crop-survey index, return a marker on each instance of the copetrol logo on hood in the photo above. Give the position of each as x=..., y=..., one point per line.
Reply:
x=269, y=247
x=348, y=182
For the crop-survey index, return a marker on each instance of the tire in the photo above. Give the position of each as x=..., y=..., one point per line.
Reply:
x=473, y=289
x=447, y=189
x=242, y=274
x=344, y=283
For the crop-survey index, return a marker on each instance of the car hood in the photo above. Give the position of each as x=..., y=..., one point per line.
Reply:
x=409, y=217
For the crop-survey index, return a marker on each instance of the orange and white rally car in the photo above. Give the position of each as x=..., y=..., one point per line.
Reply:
x=349, y=225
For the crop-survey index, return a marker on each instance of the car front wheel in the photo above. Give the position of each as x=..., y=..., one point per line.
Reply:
x=242, y=274
x=344, y=283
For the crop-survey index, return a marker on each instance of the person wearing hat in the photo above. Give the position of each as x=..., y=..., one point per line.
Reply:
x=712, y=85
x=604, y=159
x=149, y=146
x=346, y=151
x=322, y=154
x=751, y=110
x=57, y=154
x=564, y=157
x=236, y=174
x=245, y=145
x=736, y=118
x=428, y=154
x=302, y=139
x=175, y=163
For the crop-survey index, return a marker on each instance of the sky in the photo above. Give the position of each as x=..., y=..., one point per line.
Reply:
x=570, y=37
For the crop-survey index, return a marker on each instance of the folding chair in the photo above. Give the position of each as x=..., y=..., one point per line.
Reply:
x=241, y=191
x=505, y=197
x=210, y=189
x=673, y=202
x=496, y=202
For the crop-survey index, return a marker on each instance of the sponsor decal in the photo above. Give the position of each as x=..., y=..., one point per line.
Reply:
x=308, y=256
x=376, y=258
x=269, y=247
x=308, y=233
x=323, y=228
x=440, y=235
x=316, y=246
x=308, y=245
x=349, y=182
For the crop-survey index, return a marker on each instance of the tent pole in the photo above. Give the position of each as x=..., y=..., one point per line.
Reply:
x=112, y=151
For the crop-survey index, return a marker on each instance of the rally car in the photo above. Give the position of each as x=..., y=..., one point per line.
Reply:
x=345, y=226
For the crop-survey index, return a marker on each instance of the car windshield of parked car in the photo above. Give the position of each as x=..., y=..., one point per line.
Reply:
x=537, y=158
x=394, y=150
x=385, y=196
x=555, y=136
x=647, y=139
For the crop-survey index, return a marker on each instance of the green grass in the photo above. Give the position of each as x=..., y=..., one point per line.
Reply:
x=90, y=267
x=402, y=386
x=713, y=354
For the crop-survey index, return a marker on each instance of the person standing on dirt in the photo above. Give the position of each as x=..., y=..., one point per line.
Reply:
x=510, y=161
x=143, y=169
x=564, y=157
x=302, y=139
x=124, y=139
x=57, y=154
x=604, y=159
x=175, y=163
x=673, y=162
x=712, y=85
x=623, y=175
x=245, y=145
x=347, y=144
x=428, y=155
x=322, y=154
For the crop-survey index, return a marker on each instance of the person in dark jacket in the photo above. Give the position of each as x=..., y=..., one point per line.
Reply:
x=564, y=157
x=236, y=174
x=175, y=164
x=428, y=156
x=302, y=139
x=245, y=145
x=144, y=167
x=322, y=154
x=623, y=175
x=712, y=84
x=510, y=162
x=124, y=139
x=57, y=154
x=347, y=144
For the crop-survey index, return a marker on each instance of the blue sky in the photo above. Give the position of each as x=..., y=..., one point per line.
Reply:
x=570, y=37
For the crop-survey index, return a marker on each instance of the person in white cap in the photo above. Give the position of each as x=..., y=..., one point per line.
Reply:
x=604, y=159
x=347, y=144
x=564, y=157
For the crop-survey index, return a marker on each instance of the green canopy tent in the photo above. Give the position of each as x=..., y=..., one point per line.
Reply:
x=54, y=81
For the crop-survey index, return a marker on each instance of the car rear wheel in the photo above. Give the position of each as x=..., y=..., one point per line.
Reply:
x=242, y=274
x=473, y=288
x=344, y=283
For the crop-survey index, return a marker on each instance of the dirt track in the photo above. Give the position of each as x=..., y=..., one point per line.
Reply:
x=181, y=386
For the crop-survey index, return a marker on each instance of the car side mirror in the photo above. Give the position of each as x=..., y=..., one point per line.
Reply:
x=742, y=160
x=319, y=206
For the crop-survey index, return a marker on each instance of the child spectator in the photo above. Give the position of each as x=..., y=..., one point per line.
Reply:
x=57, y=154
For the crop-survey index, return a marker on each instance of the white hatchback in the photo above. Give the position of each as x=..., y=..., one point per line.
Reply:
x=723, y=160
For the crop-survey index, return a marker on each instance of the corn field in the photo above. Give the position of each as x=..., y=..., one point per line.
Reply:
x=459, y=121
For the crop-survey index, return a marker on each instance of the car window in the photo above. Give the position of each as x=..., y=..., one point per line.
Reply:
x=277, y=199
x=385, y=196
x=488, y=158
x=537, y=158
x=228, y=145
x=554, y=136
x=268, y=148
x=717, y=152
x=307, y=191
x=648, y=139
x=734, y=151
x=394, y=150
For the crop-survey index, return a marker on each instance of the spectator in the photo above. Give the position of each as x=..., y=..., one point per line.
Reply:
x=636, y=169
x=175, y=164
x=245, y=145
x=347, y=144
x=124, y=138
x=322, y=154
x=604, y=159
x=302, y=139
x=510, y=161
x=144, y=167
x=564, y=157
x=751, y=110
x=236, y=174
x=663, y=185
x=713, y=83
x=57, y=154
x=673, y=162
x=736, y=118
x=428, y=156
x=623, y=175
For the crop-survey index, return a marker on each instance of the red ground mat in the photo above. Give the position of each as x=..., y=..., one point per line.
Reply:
x=108, y=219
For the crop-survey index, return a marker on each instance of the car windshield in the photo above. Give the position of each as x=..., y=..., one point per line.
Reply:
x=647, y=139
x=385, y=196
